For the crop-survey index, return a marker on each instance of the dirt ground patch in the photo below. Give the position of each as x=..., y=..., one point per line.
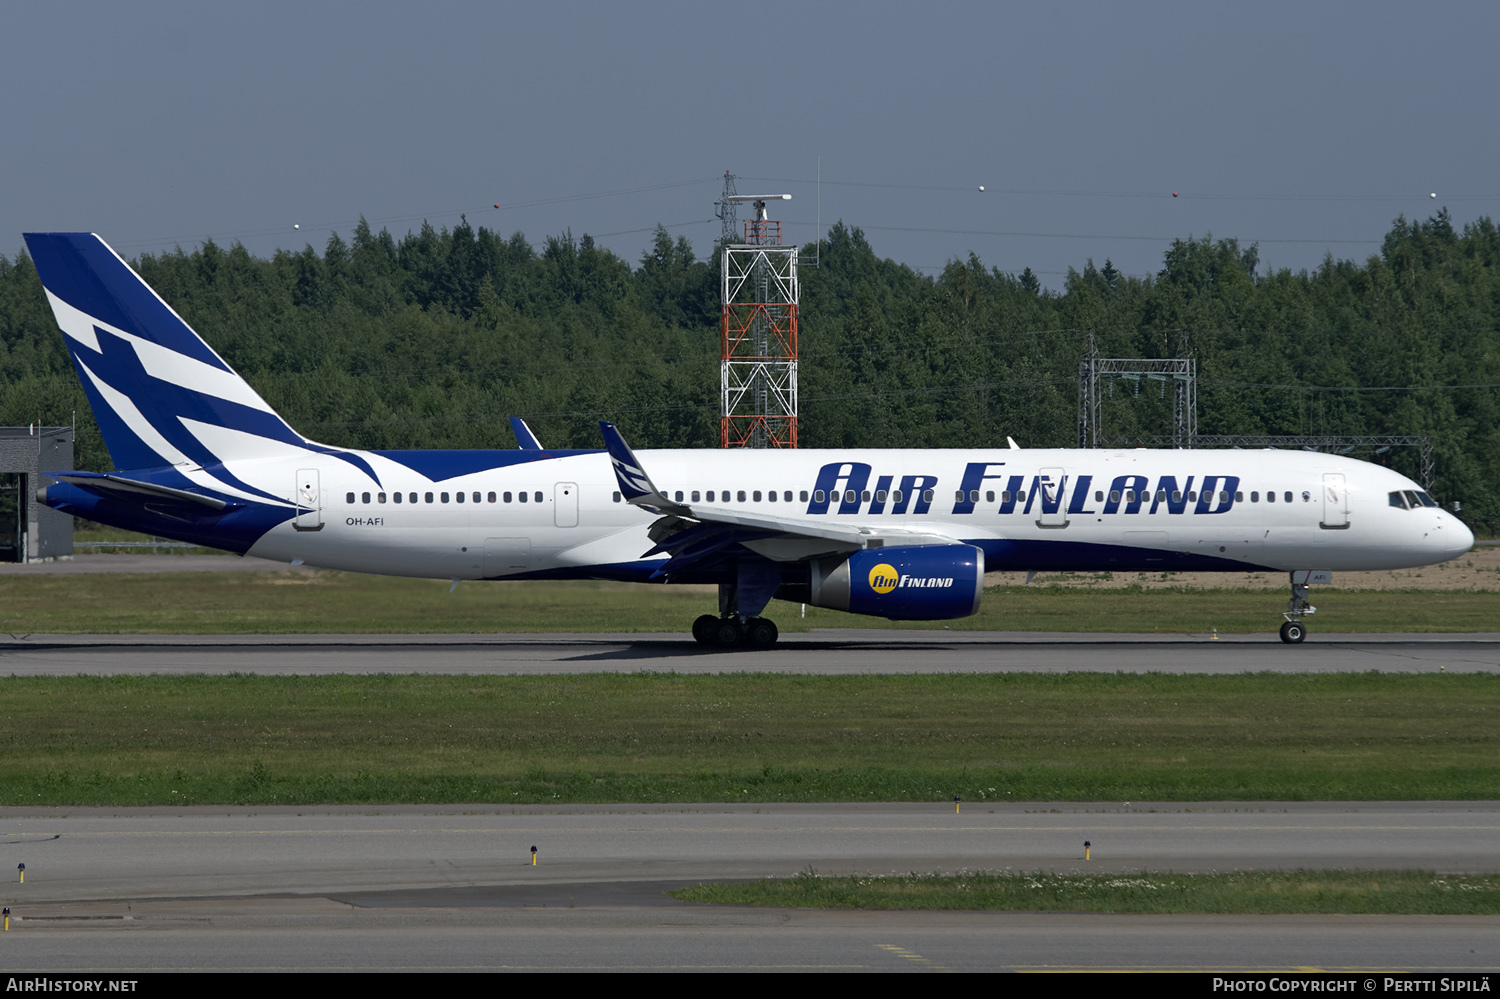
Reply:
x=1478, y=570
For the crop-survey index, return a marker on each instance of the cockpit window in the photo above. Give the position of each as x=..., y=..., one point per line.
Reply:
x=1411, y=499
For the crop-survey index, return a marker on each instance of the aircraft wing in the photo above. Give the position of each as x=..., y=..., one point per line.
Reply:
x=693, y=532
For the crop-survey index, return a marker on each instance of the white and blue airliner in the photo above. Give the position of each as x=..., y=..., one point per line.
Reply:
x=901, y=534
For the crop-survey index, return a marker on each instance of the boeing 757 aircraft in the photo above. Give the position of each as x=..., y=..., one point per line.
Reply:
x=901, y=534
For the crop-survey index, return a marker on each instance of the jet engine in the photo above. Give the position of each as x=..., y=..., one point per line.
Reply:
x=915, y=583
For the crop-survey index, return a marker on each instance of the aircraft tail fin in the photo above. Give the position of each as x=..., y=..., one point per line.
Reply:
x=160, y=394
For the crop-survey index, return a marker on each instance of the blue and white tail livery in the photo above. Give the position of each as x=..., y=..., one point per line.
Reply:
x=903, y=534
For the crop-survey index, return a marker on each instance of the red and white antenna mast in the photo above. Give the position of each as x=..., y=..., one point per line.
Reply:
x=758, y=328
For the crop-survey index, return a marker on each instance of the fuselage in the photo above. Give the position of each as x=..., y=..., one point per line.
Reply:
x=472, y=515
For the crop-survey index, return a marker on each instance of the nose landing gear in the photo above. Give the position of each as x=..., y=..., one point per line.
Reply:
x=1293, y=631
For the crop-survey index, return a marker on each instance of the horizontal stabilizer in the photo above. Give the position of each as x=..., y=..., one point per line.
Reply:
x=134, y=489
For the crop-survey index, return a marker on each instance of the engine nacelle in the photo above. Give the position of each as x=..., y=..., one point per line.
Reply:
x=917, y=583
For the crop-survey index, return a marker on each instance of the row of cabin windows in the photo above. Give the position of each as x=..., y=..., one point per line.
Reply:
x=1407, y=500
x=755, y=495
x=366, y=498
x=818, y=496
x=881, y=496
x=1005, y=496
x=1128, y=496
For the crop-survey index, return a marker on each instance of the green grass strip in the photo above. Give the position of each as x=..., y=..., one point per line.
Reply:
x=351, y=603
x=664, y=737
x=1259, y=892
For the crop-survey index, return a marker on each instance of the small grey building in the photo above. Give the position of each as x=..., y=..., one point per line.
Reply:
x=29, y=531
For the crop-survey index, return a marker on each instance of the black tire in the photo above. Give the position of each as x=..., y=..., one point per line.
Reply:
x=1292, y=632
x=703, y=629
x=761, y=633
x=726, y=633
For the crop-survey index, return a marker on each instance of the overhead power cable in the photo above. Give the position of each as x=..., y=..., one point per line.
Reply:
x=477, y=211
x=1349, y=388
x=1083, y=235
x=1167, y=194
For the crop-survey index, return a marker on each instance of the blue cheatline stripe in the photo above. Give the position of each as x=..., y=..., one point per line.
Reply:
x=440, y=465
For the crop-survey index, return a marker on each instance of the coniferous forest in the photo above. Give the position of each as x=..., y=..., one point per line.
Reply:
x=434, y=339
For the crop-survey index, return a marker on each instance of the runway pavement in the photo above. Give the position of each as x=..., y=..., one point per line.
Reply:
x=411, y=887
x=424, y=888
x=822, y=652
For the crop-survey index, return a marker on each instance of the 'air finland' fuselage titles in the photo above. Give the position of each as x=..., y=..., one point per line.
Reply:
x=1022, y=490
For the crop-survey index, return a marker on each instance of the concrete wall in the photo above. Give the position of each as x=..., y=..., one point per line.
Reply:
x=49, y=534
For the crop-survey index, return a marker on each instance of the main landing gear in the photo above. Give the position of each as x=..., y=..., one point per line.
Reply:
x=739, y=624
x=1297, y=608
x=732, y=633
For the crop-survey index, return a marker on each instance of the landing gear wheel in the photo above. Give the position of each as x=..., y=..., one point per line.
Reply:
x=726, y=633
x=703, y=629
x=1292, y=632
x=761, y=633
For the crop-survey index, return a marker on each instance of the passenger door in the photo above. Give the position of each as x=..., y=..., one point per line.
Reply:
x=309, y=499
x=1052, y=502
x=1335, y=502
x=565, y=504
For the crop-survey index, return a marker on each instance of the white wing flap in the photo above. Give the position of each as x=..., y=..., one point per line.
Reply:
x=853, y=536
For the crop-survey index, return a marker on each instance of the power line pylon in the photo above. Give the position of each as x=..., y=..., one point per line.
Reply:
x=758, y=331
x=1181, y=371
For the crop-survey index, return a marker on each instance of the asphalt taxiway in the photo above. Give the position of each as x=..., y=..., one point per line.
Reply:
x=841, y=651
x=408, y=888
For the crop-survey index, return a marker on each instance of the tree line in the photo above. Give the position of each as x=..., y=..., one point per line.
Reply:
x=434, y=339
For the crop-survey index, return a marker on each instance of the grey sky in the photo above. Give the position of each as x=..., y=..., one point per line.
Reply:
x=1307, y=127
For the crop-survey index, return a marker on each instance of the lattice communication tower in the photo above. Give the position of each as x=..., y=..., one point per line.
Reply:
x=758, y=331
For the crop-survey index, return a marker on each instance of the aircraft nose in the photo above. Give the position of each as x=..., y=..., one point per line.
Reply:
x=1453, y=536
x=1462, y=539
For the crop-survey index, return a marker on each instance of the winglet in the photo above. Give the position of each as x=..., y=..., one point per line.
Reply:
x=635, y=485
x=524, y=436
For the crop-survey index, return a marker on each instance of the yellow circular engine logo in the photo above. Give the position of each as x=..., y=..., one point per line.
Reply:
x=883, y=578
